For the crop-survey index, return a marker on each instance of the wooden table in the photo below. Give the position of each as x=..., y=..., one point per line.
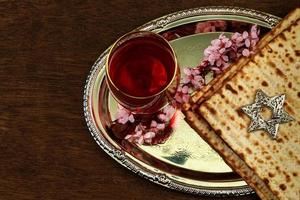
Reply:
x=46, y=51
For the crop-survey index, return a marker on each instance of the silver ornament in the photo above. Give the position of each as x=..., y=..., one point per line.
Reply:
x=279, y=116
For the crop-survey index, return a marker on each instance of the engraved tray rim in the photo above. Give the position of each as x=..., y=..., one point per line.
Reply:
x=118, y=155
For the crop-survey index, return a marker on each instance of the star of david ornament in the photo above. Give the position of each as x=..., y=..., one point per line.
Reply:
x=279, y=116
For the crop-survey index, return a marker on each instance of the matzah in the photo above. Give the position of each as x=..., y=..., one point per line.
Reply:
x=271, y=167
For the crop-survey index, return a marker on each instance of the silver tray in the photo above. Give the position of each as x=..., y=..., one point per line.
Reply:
x=184, y=162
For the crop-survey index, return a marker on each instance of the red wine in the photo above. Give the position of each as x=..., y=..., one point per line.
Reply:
x=142, y=66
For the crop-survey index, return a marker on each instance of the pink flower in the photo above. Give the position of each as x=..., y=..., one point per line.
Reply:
x=168, y=113
x=244, y=44
x=254, y=32
x=238, y=40
x=124, y=115
x=246, y=52
x=157, y=126
x=192, y=75
x=137, y=136
x=203, y=27
x=143, y=136
x=182, y=95
x=210, y=26
x=203, y=65
x=149, y=136
x=246, y=39
x=216, y=52
x=216, y=70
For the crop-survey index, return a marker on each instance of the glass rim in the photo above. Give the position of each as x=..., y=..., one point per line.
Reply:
x=115, y=45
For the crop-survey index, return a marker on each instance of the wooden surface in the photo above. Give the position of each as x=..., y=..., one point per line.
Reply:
x=46, y=51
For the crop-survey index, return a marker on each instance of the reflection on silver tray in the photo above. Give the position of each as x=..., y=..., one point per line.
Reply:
x=184, y=162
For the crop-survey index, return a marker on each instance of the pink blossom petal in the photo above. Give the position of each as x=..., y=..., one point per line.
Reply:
x=197, y=85
x=187, y=71
x=222, y=50
x=167, y=109
x=130, y=140
x=185, y=89
x=216, y=69
x=123, y=120
x=128, y=137
x=149, y=135
x=239, y=39
x=120, y=113
x=254, y=35
x=212, y=59
x=196, y=72
x=169, y=112
x=185, y=98
x=138, y=133
x=219, y=63
x=246, y=52
x=179, y=89
x=140, y=140
x=245, y=34
x=206, y=52
x=235, y=36
x=160, y=126
x=131, y=118
x=178, y=98
x=225, y=58
x=153, y=123
x=162, y=117
x=123, y=115
x=216, y=42
x=186, y=79
x=198, y=82
x=148, y=141
x=254, y=32
x=199, y=79
x=240, y=44
x=228, y=44
x=224, y=39
x=247, y=43
x=137, y=128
